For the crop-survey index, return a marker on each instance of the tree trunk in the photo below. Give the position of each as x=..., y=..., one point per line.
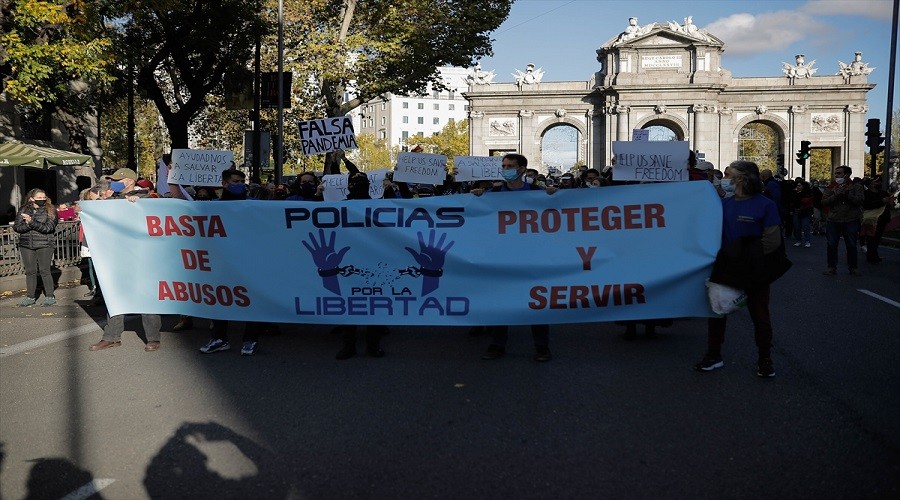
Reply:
x=178, y=131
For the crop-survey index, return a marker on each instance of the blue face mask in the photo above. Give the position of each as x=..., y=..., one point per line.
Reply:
x=510, y=174
x=236, y=189
x=727, y=185
x=117, y=186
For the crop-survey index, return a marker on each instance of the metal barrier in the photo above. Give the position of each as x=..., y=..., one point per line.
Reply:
x=68, y=248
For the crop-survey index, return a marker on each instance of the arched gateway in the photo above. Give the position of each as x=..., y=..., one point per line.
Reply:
x=668, y=77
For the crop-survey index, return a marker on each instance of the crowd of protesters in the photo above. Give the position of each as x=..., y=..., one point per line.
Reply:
x=854, y=209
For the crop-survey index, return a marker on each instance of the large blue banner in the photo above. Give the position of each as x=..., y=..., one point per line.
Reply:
x=583, y=255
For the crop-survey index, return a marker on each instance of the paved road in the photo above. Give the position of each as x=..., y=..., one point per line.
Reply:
x=605, y=419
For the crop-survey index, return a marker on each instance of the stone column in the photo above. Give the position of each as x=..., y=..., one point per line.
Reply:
x=622, y=122
x=854, y=130
x=526, y=135
x=799, y=130
x=589, y=147
x=476, y=119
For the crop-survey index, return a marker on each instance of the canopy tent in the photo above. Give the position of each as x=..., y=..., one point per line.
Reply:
x=13, y=154
x=24, y=166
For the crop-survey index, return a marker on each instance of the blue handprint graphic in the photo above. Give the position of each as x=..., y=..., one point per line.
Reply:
x=430, y=258
x=327, y=260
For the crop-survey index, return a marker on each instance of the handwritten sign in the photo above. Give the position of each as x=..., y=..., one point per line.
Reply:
x=421, y=168
x=326, y=135
x=651, y=161
x=473, y=168
x=198, y=167
x=640, y=134
x=336, y=185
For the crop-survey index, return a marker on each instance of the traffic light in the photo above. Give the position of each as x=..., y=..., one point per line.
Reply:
x=803, y=154
x=873, y=136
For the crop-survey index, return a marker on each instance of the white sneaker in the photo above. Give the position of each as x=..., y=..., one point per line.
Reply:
x=807, y=245
x=863, y=249
x=797, y=244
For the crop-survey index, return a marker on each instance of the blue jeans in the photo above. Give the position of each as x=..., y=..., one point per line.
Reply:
x=802, y=228
x=833, y=233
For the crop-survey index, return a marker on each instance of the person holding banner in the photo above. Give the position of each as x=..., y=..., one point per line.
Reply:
x=358, y=189
x=751, y=230
x=513, y=171
x=234, y=188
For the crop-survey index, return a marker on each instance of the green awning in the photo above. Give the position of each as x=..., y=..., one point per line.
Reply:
x=16, y=153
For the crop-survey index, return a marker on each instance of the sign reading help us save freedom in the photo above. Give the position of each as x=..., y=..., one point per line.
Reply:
x=326, y=135
x=198, y=167
x=421, y=168
x=443, y=260
x=651, y=160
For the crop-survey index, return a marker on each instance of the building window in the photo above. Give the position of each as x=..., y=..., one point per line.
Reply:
x=421, y=120
x=452, y=107
x=466, y=107
x=437, y=107
x=405, y=134
x=405, y=105
x=421, y=105
x=437, y=94
x=383, y=120
x=383, y=106
x=436, y=120
x=452, y=94
x=405, y=119
x=382, y=135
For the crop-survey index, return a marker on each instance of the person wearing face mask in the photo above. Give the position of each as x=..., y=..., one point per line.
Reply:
x=234, y=188
x=750, y=232
x=122, y=182
x=36, y=224
x=513, y=169
x=306, y=188
x=844, y=200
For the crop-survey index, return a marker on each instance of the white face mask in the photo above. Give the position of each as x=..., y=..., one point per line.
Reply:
x=839, y=180
x=727, y=185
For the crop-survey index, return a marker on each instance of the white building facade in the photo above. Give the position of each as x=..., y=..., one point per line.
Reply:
x=400, y=119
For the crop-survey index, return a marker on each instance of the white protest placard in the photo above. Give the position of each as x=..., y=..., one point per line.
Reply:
x=198, y=167
x=651, y=161
x=640, y=134
x=474, y=168
x=326, y=135
x=421, y=168
x=336, y=185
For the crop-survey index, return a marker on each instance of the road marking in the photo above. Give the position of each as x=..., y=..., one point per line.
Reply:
x=89, y=489
x=879, y=297
x=48, y=339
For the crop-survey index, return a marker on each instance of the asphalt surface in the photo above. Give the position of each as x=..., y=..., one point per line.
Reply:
x=606, y=418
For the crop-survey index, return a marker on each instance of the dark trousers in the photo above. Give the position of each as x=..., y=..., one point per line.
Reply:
x=875, y=241
x=115, y=325
x=540, y=334
x=758, y=307
x=37, y=262
x=833, y=233
x=251, y=330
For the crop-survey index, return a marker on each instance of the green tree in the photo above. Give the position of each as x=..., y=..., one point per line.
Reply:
x=55, y=59
x=183, y=49
x=373, y=153
x=346, y=52
x=452, y=140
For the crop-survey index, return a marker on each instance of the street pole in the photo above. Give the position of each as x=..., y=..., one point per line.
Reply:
x=132, y=154
x=885, y=180
x=279, y=146
x=254, y=165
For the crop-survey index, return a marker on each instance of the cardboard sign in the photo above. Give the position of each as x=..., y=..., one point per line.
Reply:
x=640, y=134
x=198, y=167
x=421, y=168
x=474, y=168
x=326, y=135
x=336, y=185
x=661, y=161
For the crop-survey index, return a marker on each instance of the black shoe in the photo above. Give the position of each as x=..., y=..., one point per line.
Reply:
x=347, y=352
x=709, y=363
x=765, y=368
x=375, y=351
x=542, y=354
x=493, y=352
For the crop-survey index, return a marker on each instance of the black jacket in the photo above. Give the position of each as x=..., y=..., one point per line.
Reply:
x=40, y=232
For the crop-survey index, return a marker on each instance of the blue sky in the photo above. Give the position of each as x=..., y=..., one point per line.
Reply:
x=561, y=36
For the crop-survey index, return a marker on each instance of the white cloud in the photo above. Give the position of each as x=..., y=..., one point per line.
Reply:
x=746, y=34
x=877, y=9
